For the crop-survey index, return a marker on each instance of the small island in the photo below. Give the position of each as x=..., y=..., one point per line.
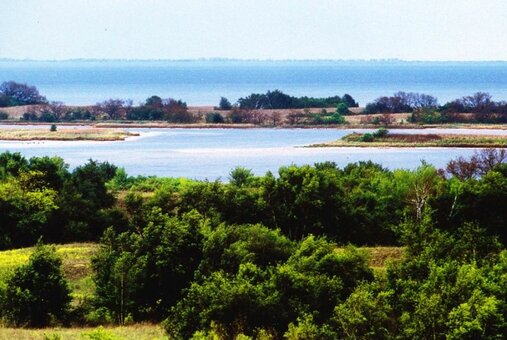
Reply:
x=80, y=134
x=382, y=138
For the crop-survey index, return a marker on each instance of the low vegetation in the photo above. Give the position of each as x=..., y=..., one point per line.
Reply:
x=69, y=134
x=382, y=139
x=125, y=332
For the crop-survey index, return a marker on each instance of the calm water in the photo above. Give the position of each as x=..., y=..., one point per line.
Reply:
x=204, y=82
x=212, y=153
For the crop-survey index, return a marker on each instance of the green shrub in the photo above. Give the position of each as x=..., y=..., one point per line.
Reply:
x=37, y=294
x=381, y=133
x=367, y=137
x=52, y=128
x=214, y=117
x=99, y=334
x=342, y=109
x=4, y=115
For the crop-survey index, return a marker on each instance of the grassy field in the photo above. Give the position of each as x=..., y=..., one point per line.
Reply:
x=90, y=134
x=76, y=265
x=419, y=140
x=138, y=332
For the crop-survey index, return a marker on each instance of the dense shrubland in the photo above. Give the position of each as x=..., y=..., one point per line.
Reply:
x=265, y=256
x=278, y=100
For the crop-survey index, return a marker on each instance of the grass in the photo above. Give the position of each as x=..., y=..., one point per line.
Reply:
x=379, y=257
x=89, y=134
x=137, y=331
x=76, y=265
x=420, y=140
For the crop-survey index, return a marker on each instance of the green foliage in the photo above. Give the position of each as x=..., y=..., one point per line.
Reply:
x=4, y=115
x=52, y=128
x=257, y=257
x=381, y=133
x=37, y=294
x=307, y=329
x=342, y=109
x=367, y=137
x=278, y=100
x=227, y=247
x=224, y=104
x=99, y=334
x=240, y=176
x=366, y=314
x=142, y=274
x=215, y=118
x=265, y=293
x=26, y=206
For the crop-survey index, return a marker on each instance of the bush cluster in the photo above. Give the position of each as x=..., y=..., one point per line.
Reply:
x=266, y=256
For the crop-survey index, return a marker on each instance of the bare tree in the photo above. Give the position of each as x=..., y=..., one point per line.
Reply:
x=114, y=108
x=295, y=117
x=257, y=117
x=478, y=165
x=275, y=118
x=58, y=109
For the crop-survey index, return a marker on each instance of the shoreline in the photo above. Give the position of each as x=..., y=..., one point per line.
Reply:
x=85, y=134
x=416, y=141
x=166, y=125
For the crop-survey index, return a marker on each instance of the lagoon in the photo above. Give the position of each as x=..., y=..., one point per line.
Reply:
x=212, y=153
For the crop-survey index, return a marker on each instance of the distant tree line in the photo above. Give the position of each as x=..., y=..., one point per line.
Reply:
x=478, y=107
x=278, y=100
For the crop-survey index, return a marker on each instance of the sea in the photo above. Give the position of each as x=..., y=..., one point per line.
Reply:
x=213, y=153
x=203, y=82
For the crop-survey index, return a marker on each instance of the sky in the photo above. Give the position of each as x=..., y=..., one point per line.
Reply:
x=254, y=29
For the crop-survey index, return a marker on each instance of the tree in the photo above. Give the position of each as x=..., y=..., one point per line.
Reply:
x=214, y=117
x=37, y=294
x=20, y=94
x=224, y=104
x=342, y=109
x=114, y=108
x=143, y=273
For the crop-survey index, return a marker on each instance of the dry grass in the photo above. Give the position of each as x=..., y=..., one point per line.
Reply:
x=381, y=256
x=90, y=134
x=137, y=331
x=421, y=140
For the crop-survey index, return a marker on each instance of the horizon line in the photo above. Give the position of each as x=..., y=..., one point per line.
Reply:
x=381, y=60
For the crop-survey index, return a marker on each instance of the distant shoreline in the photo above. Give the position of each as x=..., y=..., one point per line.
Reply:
x=342, y=61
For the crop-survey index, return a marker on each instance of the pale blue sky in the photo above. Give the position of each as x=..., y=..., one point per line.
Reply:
x=263, y=29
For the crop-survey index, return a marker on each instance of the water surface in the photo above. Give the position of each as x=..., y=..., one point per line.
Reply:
x=212, y=153
x=204, y=82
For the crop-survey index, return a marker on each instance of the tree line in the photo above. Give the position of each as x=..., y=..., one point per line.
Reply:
x=261, y=109
x=424, y=108
x=265, y=256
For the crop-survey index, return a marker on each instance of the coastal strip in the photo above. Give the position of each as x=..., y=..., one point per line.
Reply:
x=376, y=139
x=84, y=134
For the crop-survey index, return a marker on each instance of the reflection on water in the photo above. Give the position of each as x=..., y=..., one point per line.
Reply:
x=212, y=153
